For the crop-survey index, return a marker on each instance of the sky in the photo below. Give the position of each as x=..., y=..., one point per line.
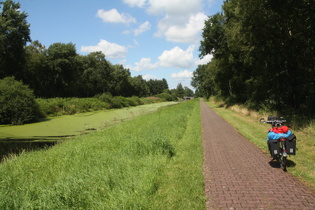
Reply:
x=153, y=38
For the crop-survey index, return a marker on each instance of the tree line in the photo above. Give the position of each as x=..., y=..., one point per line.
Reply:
x=59, y=71
x=263, y=55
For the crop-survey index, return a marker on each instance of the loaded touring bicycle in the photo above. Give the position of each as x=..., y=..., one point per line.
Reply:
x=281, y=141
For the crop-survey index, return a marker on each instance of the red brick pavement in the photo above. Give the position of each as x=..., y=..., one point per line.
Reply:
x=238, y=175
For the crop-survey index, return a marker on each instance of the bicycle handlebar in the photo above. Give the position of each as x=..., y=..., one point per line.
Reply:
x=274, y=121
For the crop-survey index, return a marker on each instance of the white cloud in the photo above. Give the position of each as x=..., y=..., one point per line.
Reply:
x=144, y=64
x=174, y=58
x=188, y=33
x=174, y=7
x=206, y=59
x=161, y=7
x=181, y=20
x=183, y=75
x=113, y=16
x=142, y=28
x=111, y=50
x=135, y=3
x=177, y=58
x=136, y=42
x=148, y=77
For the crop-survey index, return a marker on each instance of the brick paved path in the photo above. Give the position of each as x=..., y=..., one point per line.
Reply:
x=238, y=175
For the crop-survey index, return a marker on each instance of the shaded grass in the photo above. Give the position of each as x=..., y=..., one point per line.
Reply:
x=151, y=162
x=301, y=165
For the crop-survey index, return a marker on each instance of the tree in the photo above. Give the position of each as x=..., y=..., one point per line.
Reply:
x=14, y=34
x=121, y=84
x=140, y=86
x=38, y=74
x=157, y=86
x=263, y=54
x=214, y=40
x=65, y=68
x=204, y=80
x=96, y=77
x=188, y=92
x=180, y=93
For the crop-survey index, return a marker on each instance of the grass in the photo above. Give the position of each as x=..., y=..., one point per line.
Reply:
x=301, y=165
x=151, y=162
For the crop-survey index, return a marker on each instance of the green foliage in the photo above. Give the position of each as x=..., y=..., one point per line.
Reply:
x=262, y=55
x=18, y=105
x=214, y=40
x=151, y=162
x=66, y=106
x=166, y=96
x=140, y=87
x=14, y=34
x=180, y=93
x=157, y=86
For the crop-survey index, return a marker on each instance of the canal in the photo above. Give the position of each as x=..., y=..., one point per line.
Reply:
x=44, y=134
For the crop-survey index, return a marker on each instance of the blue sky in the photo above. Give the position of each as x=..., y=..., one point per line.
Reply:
x=153, y=38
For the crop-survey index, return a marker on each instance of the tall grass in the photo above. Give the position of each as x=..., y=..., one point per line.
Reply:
x=301, y=165
x=151, y=162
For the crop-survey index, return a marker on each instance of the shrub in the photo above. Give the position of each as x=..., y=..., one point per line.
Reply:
x=119, y=102
x=18, y=105
x=106, y=97
x=66, y=106
x=133, y=101
x=166, y=96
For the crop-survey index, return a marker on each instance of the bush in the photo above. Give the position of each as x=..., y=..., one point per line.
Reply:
x=119, y=102
x=166, y=96
x=66, y=106
x=134, y=101
x=18, y=105
x=106, y=97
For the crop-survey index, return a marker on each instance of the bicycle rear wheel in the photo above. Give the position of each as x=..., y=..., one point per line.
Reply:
x=283, y=163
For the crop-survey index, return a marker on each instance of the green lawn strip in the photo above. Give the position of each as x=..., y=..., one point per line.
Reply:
x=150, y=162
x=182, y=186
x=301, y=165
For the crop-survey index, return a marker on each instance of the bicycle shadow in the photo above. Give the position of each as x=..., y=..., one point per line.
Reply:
x=276, y=164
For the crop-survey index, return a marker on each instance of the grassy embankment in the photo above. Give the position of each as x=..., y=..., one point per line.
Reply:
x=151, y=162
x=301, y=165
